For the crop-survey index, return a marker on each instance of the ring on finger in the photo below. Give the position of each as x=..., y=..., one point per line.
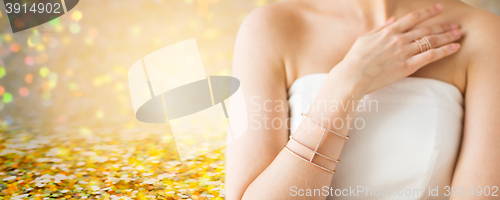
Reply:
x=424, y=44
x=428, y=43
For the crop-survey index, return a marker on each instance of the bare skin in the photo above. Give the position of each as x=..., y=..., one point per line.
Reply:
x=284, y=41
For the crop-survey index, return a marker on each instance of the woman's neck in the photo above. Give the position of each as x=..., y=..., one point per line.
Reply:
x=378, y=10
x=371, y=13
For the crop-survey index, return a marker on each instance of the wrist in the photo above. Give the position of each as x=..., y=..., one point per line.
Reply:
x=347, y=81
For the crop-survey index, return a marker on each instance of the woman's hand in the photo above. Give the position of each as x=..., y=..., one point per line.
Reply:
x=390, y=53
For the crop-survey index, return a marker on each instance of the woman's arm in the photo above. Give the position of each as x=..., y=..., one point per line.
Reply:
x=259, y=67
x=257, y=167
x=478, y=164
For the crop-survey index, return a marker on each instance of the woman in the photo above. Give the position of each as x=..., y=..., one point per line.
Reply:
x=432, y=71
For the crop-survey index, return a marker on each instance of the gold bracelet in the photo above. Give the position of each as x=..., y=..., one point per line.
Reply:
x=302, y=158
x=315, y=152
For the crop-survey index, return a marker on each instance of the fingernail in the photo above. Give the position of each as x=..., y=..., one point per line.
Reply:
x=453, y=26
x=456, y=32
x=455, y=46
x=439, y=7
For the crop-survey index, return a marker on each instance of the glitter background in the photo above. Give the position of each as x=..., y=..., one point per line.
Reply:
x=66, y=120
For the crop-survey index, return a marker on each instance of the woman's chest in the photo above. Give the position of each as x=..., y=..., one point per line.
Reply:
x=318, y=47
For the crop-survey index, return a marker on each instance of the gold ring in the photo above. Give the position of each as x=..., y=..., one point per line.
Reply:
x=419, y=46
x=424, y=44
x=427, y=43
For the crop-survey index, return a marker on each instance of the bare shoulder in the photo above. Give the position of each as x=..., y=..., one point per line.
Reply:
x=480, y=18
x=263, y=37
x=275, y=12
x=261, y=42
x=481, y=44
x=482, y=31
x=272, y=23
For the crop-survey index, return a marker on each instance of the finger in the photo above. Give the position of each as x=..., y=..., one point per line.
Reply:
x=412, y=19
x=425, y=31
x=437, y=40
x=444, y=38
x=389, y=22
x=418, y=61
